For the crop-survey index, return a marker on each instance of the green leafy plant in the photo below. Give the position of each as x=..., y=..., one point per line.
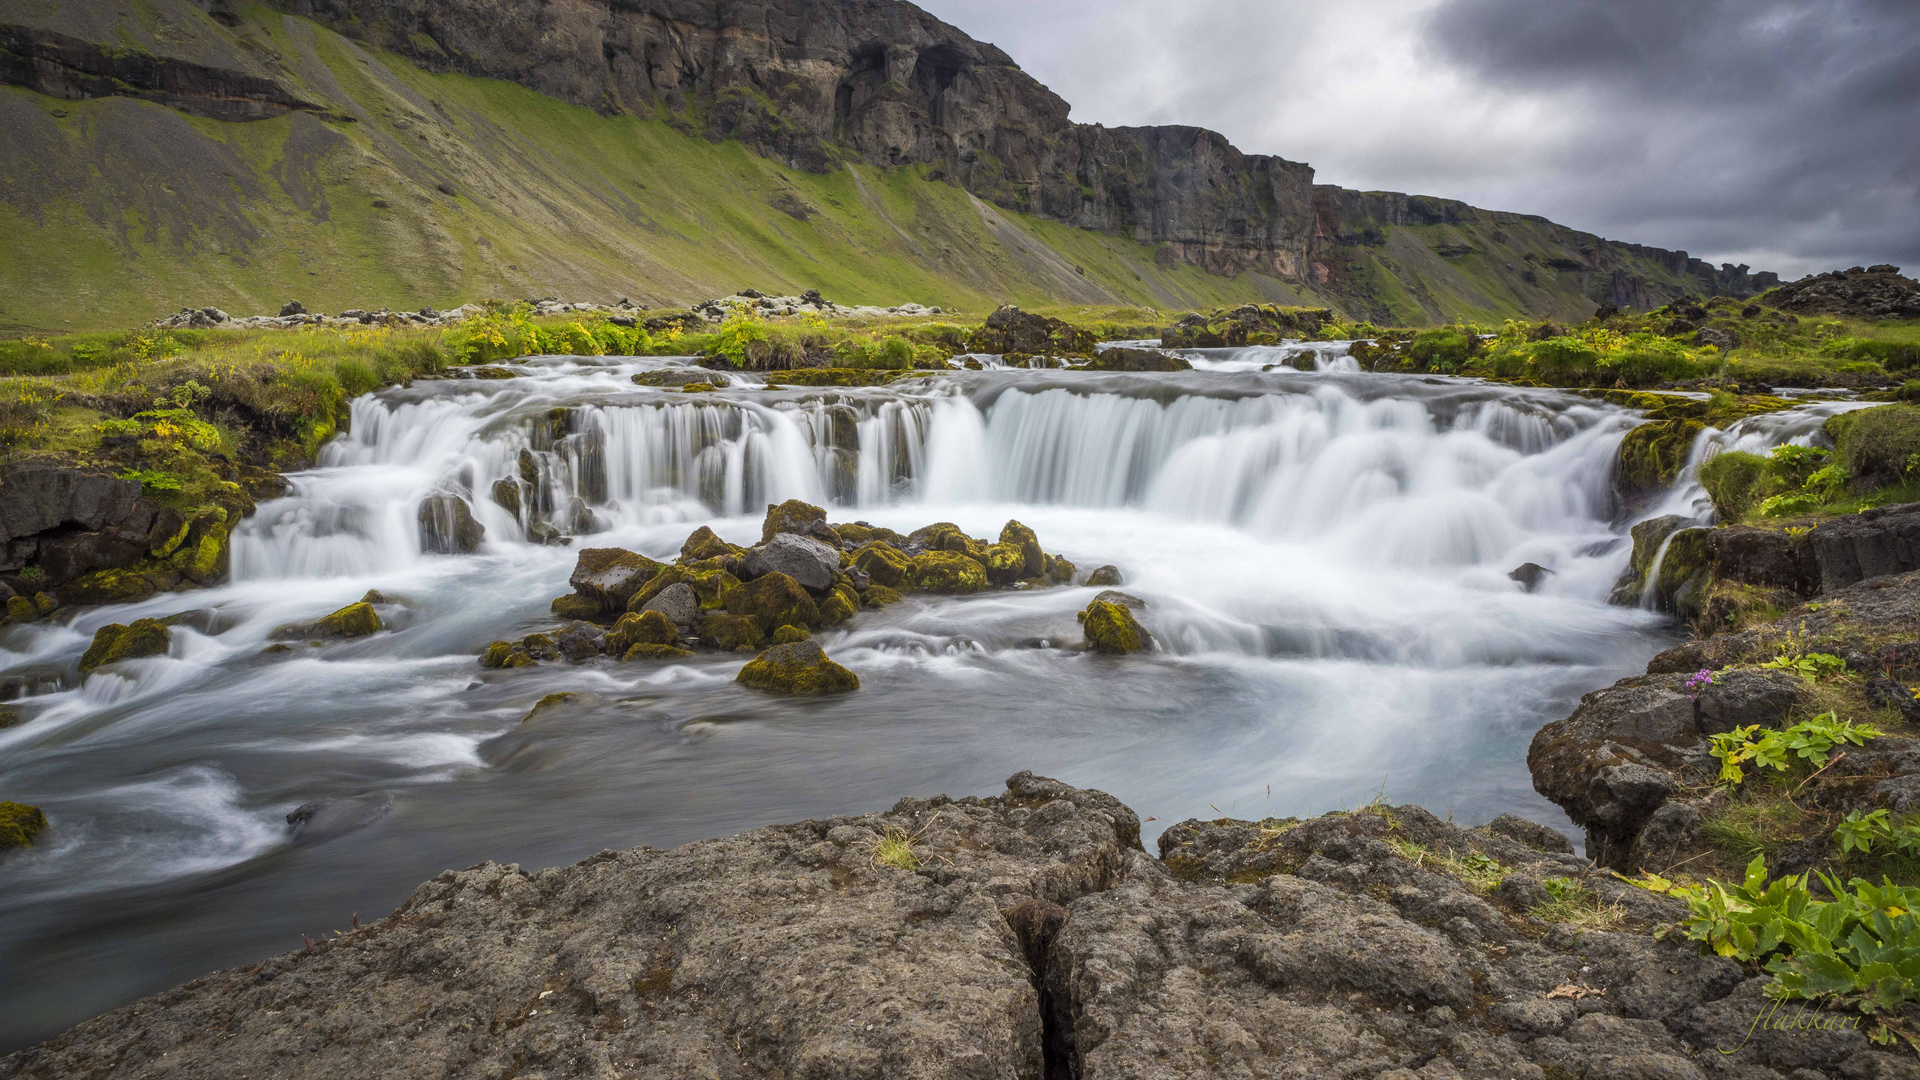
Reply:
x=1861, y=949
x=153, y=479
x=1811, y=741
x=1812, y=667
x=1877, y=830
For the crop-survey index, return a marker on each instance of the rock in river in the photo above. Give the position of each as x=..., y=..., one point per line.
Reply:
x=798, y=668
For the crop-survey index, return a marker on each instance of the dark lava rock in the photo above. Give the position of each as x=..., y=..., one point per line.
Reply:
x=1856, y=547
x=1137, y=360
x=810, y=562
x=1010, y=330
x=1740, y=698
x=1530, y=575
x=1025, y=935
x=1874, y=292
x=1766, y=557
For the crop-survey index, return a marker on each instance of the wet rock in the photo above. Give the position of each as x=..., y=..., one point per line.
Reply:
x=1105, y=577
x=652, y=627
x=1530, y=575
x=506, y=495
x=316, y=821
x=1010, y=330
x=1248, y=324
x=1870, y=544
x=731, y=632
x=1770, y=558
x=794, y=516
x=883, y=563
x=548, y=705
x=947, y=572
x=1613, y=762
x=705, y=544
x=1740, y=698
x=773, y=600
x=1115, y=596
x=507, y=654
x=19, y=824
x=647, y=651
x=114, y=642
x=580, y=642
x=610, y=577
x=1110, y=628
x=879, y=596
x=1122, y=359
x=810, y=562
x=677, y=603
x=801, y=668
x=354, y=620
x=447, y=526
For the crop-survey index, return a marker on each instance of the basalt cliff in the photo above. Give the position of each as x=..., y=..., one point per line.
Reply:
x=816, y=87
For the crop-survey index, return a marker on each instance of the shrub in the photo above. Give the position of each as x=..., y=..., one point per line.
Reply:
x=1731, y=480
x=1439, y=350
x=1891, y=355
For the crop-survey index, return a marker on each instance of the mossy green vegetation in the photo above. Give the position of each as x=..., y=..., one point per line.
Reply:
x=115, y=642
x=1875, y=462
x=800, y=668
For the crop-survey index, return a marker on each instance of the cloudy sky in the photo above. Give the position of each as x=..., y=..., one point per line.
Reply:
x=1780, y=133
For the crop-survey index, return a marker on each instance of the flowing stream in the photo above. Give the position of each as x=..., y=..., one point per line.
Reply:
x=1324, y=553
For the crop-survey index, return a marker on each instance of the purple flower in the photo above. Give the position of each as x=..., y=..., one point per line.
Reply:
x=1699, y=681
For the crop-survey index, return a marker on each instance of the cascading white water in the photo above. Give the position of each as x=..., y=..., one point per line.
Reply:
x=1324, y=556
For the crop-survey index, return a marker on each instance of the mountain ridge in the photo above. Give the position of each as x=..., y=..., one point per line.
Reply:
x=866, y=89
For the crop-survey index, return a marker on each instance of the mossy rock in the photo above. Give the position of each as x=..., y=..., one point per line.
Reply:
x=772, y=600
x=11, y=716
x=704, y=544
x=649, y=651
x=1733, y=479
x=948, y=572
x=574, y=607
x=801, y=668
x=879, y=596
x=19, y=824
x=610, y=577
x=1059, y=570
x=122, y=585
x=22, y=609
x=1105, y=577
x=354, y=620
x=1005, y=563
x=1111, y=628
x=837, y=376
x=837, y=606
x=1878, y=446
x=946, y=536
x=548, y=704
x=883, y=563
x=795, y=516
x=731, y=632
x=1652, y=455
x=114, y=643
x=505, y=654
x=644, y=628
x=861, y=533
x=1033, y=559
x=540, y=647
x=710, y=587
x=787, y=635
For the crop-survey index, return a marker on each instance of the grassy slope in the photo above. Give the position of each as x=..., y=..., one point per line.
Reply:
x=131, y=210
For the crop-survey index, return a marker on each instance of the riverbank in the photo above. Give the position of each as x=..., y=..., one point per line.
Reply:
x=1027, y=934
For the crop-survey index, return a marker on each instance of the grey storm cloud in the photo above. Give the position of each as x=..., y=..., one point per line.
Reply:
x=1780, y=133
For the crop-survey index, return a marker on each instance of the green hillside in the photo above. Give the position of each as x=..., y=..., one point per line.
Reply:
x=445, y=189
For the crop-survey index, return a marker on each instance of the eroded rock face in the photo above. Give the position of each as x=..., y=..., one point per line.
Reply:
x=1022, y=936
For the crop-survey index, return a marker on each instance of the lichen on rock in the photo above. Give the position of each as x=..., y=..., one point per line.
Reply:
x=19, y=824
x=947, y=572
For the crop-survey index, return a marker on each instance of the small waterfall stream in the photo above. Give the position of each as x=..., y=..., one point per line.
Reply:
x=1324, y=555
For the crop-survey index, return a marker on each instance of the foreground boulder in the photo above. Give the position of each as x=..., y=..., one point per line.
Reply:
x=113, y=643
x=800, y=668
x=354, y=620
x=1024, y=935
x=1111, y=628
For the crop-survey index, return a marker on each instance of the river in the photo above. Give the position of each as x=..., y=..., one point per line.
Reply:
x=1324, y=555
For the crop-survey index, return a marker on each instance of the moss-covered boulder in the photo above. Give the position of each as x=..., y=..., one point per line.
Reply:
x=946, y=536
x=1004, y=563
x=838, y=605
x=611, y=576
x=799, y=668
x=794, y=516
x=1878, y=446
x=710, y=587
x=705, y=544
x=787, y=635
x=21, y=609
x=1111, y=628
x=643, y=628
x=1059, y=570
x=114, y=642
x=1733, y=480
x=354, y=620
x=947, y=572
x=1033, y=559
x=883, y=563
x=773, y=600
x=122, y=585
x=649, y=651
x=19, y=824
x=1121, y=359
x=1652, y=455
x=879, y=596
x=1248, y=324
x=1010, y=330
x=730, y=632
x=1105, y=577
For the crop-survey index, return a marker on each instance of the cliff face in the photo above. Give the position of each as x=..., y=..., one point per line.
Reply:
x=817, y=82
x=834, y=92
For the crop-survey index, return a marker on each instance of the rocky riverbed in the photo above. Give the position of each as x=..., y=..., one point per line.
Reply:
x=1023, y=935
